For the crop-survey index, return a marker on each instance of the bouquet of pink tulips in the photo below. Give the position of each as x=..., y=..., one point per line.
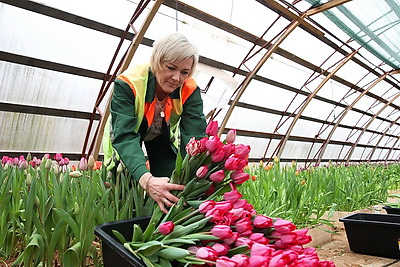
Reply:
x=212, y=225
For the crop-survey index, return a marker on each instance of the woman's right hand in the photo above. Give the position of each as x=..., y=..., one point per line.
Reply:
x=159, y=189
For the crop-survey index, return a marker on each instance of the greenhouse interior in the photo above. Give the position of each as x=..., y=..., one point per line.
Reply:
x=297, y=163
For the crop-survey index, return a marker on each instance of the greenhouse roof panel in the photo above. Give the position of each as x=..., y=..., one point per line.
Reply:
x=374, y=24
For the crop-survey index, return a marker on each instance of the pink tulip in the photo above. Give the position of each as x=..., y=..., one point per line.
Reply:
x=232, y=239
x=259, y=261
x=302, y=236
x=23, y=164
x=202, y=144
x=232, y=195
x=242, y=163
x=231, y=136
x=223, y=206
x=244, y=225
x=232, y=163
x=241, y=260
x=279, y=258
x=242, y=151
x=217, y=176
x=206, y=253
x=218, y=155
x=261, y=250
x=220, y=248
x=261, y=221
x=212, y=128
x=225, y=262
x=83, y=165
x=202, y=171
x=15, y=161
x=66, y=161
x=221, y=231
x=229, y=149
x=166, y=228
x=239, y=177
x=243, y=241
x=58, y=157
x=206, y=206
x=4, y=159
x=284, y=226
x=259, y=238
x=213, y=144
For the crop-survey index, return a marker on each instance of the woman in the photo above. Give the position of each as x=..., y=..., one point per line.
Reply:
x=160, y=105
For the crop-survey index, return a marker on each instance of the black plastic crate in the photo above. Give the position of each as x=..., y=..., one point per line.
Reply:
x=391, y=210
x=373, y=234
x=114, y=253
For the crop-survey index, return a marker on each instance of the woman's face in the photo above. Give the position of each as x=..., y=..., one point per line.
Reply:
x=172, y=76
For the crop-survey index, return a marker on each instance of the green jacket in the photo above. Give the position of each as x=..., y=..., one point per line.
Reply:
x=127, y=135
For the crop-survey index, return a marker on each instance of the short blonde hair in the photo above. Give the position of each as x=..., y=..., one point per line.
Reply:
x=173, y=48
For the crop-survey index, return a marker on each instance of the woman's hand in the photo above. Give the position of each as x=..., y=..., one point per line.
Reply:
x=159, y=190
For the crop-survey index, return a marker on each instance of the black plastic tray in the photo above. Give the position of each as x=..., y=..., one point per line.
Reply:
x=391, y=210
x=114, y=253
x=373, y=234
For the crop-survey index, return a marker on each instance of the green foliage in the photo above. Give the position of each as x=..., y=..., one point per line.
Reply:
x=303, y=196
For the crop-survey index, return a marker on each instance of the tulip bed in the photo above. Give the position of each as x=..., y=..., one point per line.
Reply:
x=50, y=207
x=304, y=196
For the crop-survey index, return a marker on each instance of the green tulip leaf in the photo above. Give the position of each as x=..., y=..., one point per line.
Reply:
x=173, y=253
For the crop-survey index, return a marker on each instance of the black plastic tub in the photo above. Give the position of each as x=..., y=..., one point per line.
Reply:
x=373, y=234
x=114, y=253
x=391, y=210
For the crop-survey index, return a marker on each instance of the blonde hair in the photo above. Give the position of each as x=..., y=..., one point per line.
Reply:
x=173, y=48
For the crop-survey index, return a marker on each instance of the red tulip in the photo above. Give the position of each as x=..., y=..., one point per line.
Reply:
x=166, y=228
x=212, y=128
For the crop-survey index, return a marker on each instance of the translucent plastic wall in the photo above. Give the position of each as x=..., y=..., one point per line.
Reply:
x=266, y=110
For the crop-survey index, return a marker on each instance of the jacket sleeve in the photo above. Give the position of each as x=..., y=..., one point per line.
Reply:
x=193, y=121
x=126, y=140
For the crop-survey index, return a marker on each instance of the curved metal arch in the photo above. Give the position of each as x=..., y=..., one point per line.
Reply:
x=293, y=25
x=391, y=149
x=309, y=98
x=344, y=113
x=381, y=138
x=297, y=20
x=350, y=153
